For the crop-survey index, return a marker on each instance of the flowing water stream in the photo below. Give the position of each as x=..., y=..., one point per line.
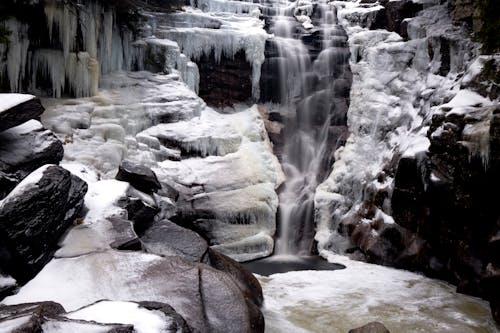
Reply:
x=313, y=73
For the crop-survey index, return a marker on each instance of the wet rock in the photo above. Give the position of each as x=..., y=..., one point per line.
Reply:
x=34, y=216
x=408, y=198
x=374, y=327
x=225, y=82
x=140, y=177
x=245, y=280
x=125, y=237
x=392, y=16
x=18, y=114
x=177, y=324
x=27, y=147
x=140, y=213
x=168, y=239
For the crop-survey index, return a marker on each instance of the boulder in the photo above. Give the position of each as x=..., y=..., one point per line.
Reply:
x=16, y=109
x=47, y=317
x=168, y=239
x=34, y=216
x=140, y=177
x=27, y=147
x=373, y=327
x=244, y=279
x=206, y=298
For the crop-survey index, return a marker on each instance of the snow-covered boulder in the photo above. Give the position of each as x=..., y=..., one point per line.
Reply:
x=100, y=317
x=34, y=216
x=27, y=147
x=16, y=109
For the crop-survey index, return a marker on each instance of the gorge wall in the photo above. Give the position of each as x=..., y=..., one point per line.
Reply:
x=409, y=188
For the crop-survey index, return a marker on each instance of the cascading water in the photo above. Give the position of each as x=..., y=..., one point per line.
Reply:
x=314, y=82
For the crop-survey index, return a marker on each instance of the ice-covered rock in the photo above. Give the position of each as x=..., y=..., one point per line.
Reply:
x=395, y=85
x=27, y=147
x=33, y=217
x=16, y=109
x=208, y=299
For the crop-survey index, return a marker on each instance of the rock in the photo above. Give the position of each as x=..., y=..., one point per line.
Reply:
x=393, y=15
x=140, y=177
x=246, y=281
x=490, y=283
x=206, y=298
x=408, y=198
x=125, y=237
x=177, y=324
x=140, y=213
x=34, y=216
x=7, y=183
x=373, y=327
x=226, y=81
x=47, y=317
x=168, y=239
x=27, y=147
x=12, y=114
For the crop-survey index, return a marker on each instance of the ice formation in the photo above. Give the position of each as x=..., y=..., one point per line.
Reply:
x=391, y=106
x=73, y=69
x=223, y=162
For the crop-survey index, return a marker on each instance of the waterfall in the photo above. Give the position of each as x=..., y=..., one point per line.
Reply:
x=311, y=60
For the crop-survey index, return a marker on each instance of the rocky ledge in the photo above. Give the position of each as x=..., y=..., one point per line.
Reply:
x=88, y=244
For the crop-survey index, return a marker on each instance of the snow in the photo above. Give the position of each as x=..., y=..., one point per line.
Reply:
x=8, y=101
x=108, y=312
x=466, y=97
x=336, y=301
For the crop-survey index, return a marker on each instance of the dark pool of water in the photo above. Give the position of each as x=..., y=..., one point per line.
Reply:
x=283, y=264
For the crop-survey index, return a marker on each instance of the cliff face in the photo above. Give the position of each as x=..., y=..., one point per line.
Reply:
x=412, y=187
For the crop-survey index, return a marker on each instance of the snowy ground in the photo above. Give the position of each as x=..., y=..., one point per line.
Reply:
x=336, y=301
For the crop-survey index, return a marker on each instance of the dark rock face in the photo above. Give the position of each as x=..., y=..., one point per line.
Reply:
x=374, y=327
x=225, y=82
x=248, y=284
x=33, y=218
x=445, y=200
x=125, y=236
x=140, y=177
x=168, y=239
x=25, y=148
x=21, y=113
x=393, y=14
